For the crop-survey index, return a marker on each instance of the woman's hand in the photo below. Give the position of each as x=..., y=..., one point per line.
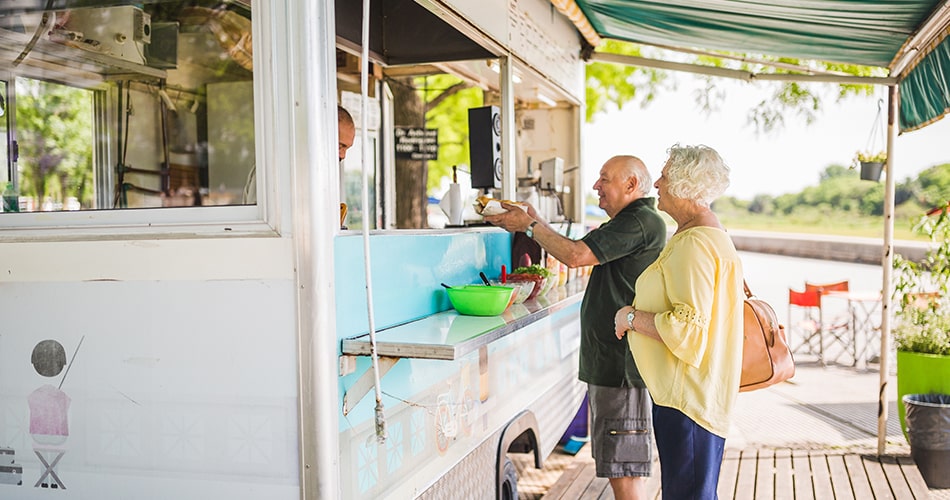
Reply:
x=620, y=322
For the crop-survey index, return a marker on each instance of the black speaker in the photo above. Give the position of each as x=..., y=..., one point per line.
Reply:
x=163, y=51
x=484, y=141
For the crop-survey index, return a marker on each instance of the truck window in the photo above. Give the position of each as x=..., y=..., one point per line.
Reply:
x=111, y=107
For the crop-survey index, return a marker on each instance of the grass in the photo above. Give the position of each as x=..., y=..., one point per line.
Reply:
x=850, y=225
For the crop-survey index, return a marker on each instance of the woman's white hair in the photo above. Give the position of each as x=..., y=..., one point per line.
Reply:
x=696, y=173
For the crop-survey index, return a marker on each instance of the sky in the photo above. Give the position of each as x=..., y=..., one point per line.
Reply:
x=781, y=162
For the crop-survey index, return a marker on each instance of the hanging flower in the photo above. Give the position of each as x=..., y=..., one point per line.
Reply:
x=869, y=157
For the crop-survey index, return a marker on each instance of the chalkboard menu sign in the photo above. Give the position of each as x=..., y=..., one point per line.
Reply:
x=414, y=143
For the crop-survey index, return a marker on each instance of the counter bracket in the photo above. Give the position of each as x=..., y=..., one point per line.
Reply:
x=363, y=385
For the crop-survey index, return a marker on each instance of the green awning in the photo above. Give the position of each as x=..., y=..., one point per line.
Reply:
x=863, y=32
x=925, y=91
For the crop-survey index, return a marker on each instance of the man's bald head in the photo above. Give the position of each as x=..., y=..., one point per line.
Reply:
x=346, y=130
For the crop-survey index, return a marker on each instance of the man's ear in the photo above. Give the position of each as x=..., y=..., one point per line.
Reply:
x=633, y=183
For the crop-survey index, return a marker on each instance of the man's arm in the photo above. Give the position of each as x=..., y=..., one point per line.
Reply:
x=573, y=253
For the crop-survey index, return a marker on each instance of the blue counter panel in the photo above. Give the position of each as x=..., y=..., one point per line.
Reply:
x=407, y=270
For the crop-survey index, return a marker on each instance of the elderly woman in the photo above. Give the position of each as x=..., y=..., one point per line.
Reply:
x=685, y=326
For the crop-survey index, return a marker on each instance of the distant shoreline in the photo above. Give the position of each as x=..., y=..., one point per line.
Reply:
x=825, y=247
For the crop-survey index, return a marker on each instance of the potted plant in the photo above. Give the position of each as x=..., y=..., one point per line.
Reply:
x=921, y=334
x=872, y=164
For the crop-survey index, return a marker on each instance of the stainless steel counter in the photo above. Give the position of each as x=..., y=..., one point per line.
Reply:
x=448, y=335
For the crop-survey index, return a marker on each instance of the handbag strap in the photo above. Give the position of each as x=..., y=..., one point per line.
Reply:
x=745, y=286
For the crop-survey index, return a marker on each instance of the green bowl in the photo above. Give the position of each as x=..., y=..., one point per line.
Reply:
x=480, y=300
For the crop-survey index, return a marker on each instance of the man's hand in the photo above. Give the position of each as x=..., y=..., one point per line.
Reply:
x=515, y=219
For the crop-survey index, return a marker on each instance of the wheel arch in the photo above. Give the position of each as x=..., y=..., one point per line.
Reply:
x=520, y=435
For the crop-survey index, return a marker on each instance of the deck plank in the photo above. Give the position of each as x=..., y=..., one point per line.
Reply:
x=564, y=481
x=728, y=472
x=765, y=474
x=880, y=489
x=821, y=475
x=801, y=468
x=916, y=482
x=840, y=481
x=784, y=476
x=745, y=482
x=895, y=477
x=595, y=490
x=781, y=473
x=587, y=475
x=860, y=483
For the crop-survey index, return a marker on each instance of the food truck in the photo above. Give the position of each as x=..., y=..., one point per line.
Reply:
x=186, y=311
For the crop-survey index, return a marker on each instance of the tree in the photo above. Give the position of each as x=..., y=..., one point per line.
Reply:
x=615, y=84
x=411, y=175
x=434, y=101
x=935, y=185
x=54, y=127
x=611, y=83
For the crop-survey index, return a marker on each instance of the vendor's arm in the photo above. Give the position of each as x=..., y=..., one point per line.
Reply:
x=573, y=253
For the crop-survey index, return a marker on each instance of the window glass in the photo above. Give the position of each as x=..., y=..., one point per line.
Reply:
x=117, y=106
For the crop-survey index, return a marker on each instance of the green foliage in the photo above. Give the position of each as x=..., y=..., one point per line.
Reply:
x=54, y=123
x=933, y=186
x=922, y=320
x=925, y=331
x=840, y=191
x=833, y=171
x=449, y=115
x=616, y=84
x=534, y=269
x=609, y=83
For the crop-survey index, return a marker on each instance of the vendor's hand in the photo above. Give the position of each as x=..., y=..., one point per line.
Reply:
x=620, y=322
x=514, y=220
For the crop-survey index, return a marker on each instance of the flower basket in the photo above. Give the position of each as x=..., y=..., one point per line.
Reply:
x=871, y=170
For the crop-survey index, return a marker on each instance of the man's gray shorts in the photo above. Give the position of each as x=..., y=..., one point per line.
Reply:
x=621, y=431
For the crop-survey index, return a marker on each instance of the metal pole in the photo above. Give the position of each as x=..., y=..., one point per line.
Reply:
x=367, y=261
x=887, y=264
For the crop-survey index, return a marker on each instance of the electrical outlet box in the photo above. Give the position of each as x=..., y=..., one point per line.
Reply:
x=552, y=174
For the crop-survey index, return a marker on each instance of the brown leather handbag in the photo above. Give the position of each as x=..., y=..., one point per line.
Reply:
x=766, y=357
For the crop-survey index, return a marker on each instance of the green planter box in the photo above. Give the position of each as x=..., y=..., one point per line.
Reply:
x=920, y=374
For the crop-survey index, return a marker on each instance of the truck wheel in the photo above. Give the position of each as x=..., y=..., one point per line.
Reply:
x=509, y=483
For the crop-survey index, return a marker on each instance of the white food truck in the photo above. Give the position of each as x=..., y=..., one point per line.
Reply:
x=184, y=313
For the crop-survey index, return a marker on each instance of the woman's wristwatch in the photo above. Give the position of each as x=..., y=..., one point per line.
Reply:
x=630, y=316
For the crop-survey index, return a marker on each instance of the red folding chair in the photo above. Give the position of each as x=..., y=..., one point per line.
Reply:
x=838, y=329
x=804, y=328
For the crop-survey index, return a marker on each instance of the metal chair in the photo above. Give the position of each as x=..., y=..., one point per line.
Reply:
x=839, y=328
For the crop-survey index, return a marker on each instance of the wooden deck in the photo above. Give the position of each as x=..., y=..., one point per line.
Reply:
x=779, y=473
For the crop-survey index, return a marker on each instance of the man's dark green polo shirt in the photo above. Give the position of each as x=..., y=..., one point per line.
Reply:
x=624, y=245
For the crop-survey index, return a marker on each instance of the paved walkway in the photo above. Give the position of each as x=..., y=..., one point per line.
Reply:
x=832, y=410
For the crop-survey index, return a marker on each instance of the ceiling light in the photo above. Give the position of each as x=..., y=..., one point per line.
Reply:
x=493, y=65
x=546, y=100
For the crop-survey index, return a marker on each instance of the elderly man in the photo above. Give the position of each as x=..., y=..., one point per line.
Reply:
x=620, y=249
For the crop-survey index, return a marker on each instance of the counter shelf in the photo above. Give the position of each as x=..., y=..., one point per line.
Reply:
x=447, y=335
